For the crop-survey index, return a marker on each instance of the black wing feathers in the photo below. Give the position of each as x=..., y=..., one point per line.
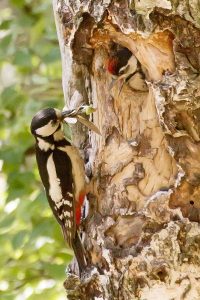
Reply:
x=64, y=213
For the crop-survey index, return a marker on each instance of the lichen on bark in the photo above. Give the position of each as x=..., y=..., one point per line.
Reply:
x=142, y=231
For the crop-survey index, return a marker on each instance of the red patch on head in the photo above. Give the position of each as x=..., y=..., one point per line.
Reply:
x=112, y=65
x=78, y=208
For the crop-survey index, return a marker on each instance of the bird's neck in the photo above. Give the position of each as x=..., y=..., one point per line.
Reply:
x=45, y=143
x=57, y=139
x=58, y=135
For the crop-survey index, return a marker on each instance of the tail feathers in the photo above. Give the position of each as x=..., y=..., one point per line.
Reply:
x=79, y=252
x=67, y=236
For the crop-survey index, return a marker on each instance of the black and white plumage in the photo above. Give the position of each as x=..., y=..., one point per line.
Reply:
x=125, y=68
x=118, y=60
x=133, y=75
x=62, y=173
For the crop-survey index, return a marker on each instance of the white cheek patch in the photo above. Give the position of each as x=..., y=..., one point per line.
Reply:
x=54, y=182
x=44, y=146
x=47, y=129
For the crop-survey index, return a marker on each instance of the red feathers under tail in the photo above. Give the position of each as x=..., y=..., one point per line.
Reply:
x=78, y=208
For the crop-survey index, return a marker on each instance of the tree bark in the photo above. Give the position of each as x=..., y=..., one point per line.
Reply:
x=142, y=232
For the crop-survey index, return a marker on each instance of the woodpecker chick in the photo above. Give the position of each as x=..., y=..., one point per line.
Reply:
x=118, y=60
x=62, y=173
x=126, y=66
x=133, y=75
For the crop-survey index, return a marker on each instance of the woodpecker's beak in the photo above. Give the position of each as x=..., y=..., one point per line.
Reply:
x=68, y=113
x=64, y=114
x=74, y=113
x=77, y=115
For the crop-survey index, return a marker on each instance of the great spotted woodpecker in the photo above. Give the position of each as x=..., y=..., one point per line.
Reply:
x=117, y=60
x=125, y=68
x=62, y=173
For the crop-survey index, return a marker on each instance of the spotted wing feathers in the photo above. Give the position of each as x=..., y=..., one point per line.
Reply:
x=56, y=175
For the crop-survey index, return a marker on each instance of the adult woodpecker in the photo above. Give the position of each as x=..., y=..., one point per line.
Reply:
x=62, y=173
x=124, y=67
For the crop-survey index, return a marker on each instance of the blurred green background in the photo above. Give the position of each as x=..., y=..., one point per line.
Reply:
x=33, y=255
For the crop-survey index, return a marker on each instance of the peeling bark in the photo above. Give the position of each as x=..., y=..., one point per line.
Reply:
x=142, y=232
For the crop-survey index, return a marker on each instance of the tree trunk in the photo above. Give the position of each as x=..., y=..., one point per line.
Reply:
x=142, y=232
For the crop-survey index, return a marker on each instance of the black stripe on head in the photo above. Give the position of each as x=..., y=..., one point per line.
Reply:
x=42, y=118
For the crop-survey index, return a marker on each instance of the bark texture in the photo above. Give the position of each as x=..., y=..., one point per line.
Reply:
x=142, y=234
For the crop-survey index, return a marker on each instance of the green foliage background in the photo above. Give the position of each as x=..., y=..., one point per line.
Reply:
x=32, y=253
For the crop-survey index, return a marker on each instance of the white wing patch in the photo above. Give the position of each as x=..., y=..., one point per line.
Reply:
x=77, y=168
x=54, y=182
x=44, y=146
